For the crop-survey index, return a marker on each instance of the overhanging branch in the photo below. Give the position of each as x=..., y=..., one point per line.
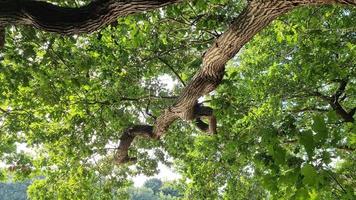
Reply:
x=69, y=21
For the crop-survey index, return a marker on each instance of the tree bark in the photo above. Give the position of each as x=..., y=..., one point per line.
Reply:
x=257, y=15
x=2, y=37
x=69, y=21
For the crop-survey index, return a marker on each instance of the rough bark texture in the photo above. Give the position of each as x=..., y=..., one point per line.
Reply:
x=256, y=15
x=2, y=36
x=86, y=19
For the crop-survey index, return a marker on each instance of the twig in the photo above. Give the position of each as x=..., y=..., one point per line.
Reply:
x=335, y=179
x=172, y=69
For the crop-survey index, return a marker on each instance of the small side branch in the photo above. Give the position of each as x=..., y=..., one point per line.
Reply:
x=173, y=70
x=340, y=91
x=334, y=101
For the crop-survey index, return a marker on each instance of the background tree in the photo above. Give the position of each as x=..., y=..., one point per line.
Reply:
x=12, y=191
x=154, y=184
x=142, y=193
x=154, y=189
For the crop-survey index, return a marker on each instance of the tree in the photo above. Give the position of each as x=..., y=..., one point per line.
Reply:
x=13, y=190
x=142, y=194
x=155, y=189
x=68, y=102
x=154, y=184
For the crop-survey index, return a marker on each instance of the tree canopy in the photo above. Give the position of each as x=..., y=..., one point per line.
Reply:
x=103, y=90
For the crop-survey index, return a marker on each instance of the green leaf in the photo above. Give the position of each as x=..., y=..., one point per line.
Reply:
x=320, y=129
x=301, y=194
x=306, y=139
x=310, y=175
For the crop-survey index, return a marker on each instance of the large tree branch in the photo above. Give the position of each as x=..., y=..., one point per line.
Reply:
x=65, y=20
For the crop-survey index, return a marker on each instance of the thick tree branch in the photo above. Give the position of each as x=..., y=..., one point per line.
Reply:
x=65, y=20
x=253, y=18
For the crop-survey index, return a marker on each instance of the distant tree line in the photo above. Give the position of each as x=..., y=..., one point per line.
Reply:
x=14, y=190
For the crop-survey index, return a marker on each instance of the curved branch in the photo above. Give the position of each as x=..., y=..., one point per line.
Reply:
x=126, y=140
x=69, y=21
x=204, y=112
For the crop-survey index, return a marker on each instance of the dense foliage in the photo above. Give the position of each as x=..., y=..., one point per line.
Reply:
x=279, y=136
